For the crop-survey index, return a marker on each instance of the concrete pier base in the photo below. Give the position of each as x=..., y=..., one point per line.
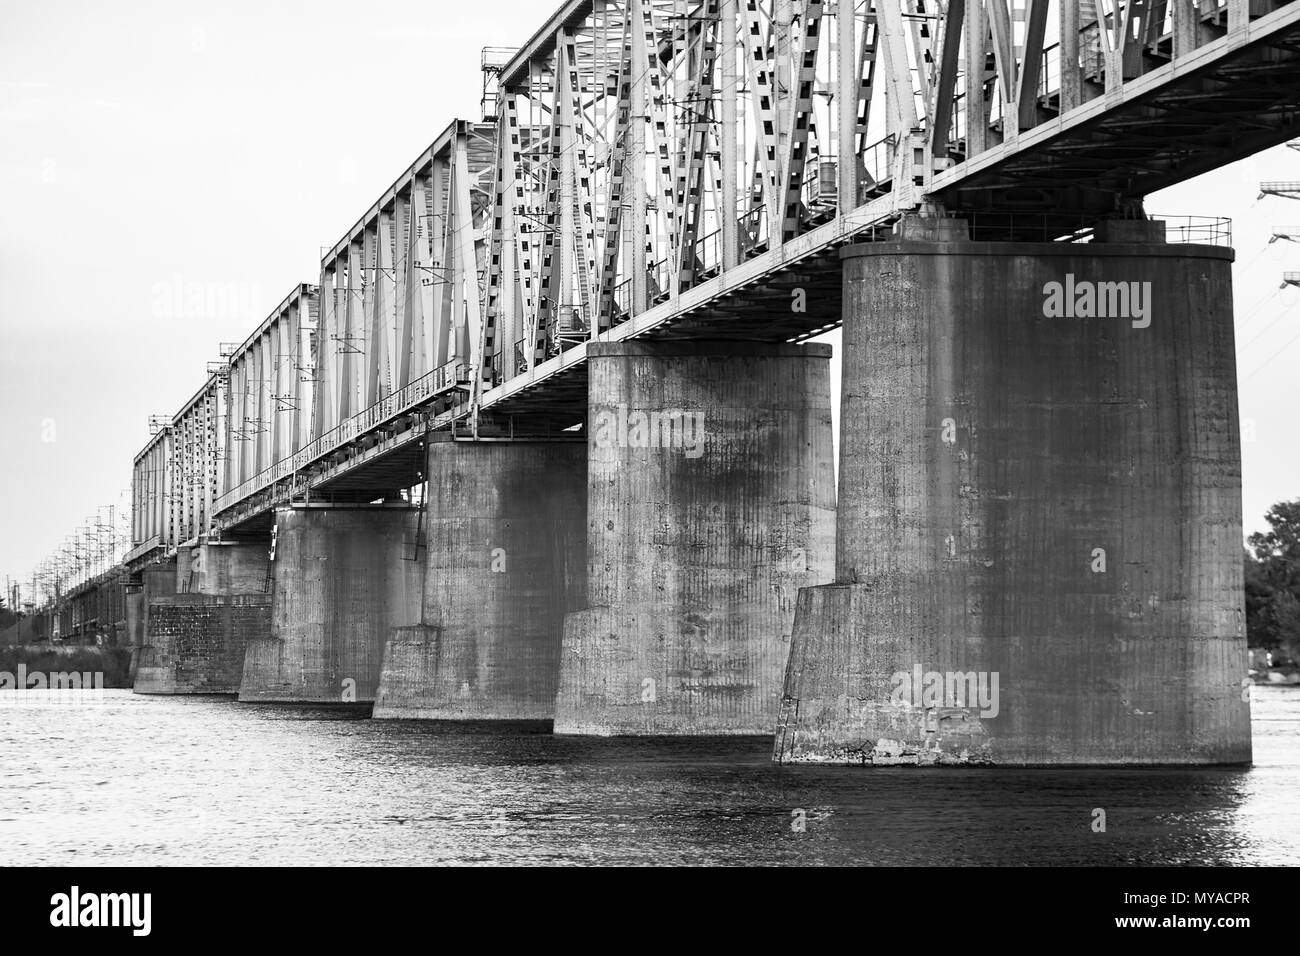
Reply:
x=200, y=613
x=156, y=580
x=1039, y=528
x=505, y=561
x=711, y=502
x=343, y=577
x=506, y=532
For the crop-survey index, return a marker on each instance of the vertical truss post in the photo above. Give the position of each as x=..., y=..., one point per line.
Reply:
x=614, y=197
x=977, y=107
x=728, y=207
x=846, y=103
x=406, y=282
x=440, y=265
x=467, y=289
x=1032, y=64
x=635, y=162
x=521, y=291
x=691, y=174
x=1005, y=61
x=1071, y=74
x=352, y=334
x=501, y=277
x=383, y=320
x=369, y=367
x=800, y=116
x=901, y=119
x=946, y=79
x=758, y=63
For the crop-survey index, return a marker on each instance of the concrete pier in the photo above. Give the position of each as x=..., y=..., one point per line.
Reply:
x=1039, y=529
x=200, y=612
x=343, y=577
x=222, y=567
x=506, y=531
x=710, y=503
x=156, y=580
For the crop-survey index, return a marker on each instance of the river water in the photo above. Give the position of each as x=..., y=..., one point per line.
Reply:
x=154, y=780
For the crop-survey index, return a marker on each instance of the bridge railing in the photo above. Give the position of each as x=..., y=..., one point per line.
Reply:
x=1020, y=226
x=877, y=163
x=753, y=230
x=454, y=375
x=1206, y=230
x=1049, y=79
x=143, y=548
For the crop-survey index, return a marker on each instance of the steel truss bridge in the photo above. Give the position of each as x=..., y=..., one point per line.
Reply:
x=690, y=168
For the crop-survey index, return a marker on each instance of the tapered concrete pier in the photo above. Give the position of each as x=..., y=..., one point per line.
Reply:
x=710, y=503
x=1039, y=528
x=506, y=527
x=343, y=577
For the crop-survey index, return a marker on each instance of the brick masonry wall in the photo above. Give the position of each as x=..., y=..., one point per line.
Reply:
x=197, y=642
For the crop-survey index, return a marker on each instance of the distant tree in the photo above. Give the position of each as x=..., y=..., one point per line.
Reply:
x=1272, y=575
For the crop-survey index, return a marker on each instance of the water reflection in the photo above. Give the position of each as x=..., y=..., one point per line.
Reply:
x=207, y=781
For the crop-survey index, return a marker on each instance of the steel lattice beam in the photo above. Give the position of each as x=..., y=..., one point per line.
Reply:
x=656, y=167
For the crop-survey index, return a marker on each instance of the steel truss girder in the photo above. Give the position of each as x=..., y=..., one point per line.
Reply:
x=644, y=148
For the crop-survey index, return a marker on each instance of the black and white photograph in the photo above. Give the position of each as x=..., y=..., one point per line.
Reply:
x=651, y=433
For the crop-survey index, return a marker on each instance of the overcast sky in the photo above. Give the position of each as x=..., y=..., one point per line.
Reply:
x=148, y=149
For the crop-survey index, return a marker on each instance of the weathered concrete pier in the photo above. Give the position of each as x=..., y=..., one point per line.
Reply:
x=343, y=578
x=711, y=501
x=1039, y=527
x=503, y=564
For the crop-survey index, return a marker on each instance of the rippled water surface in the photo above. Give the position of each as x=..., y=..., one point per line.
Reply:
x=149, y=780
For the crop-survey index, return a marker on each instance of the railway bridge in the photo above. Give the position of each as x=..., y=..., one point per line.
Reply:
x=547, y=438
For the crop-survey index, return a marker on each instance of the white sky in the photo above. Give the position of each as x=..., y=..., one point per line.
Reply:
x=151, y=147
